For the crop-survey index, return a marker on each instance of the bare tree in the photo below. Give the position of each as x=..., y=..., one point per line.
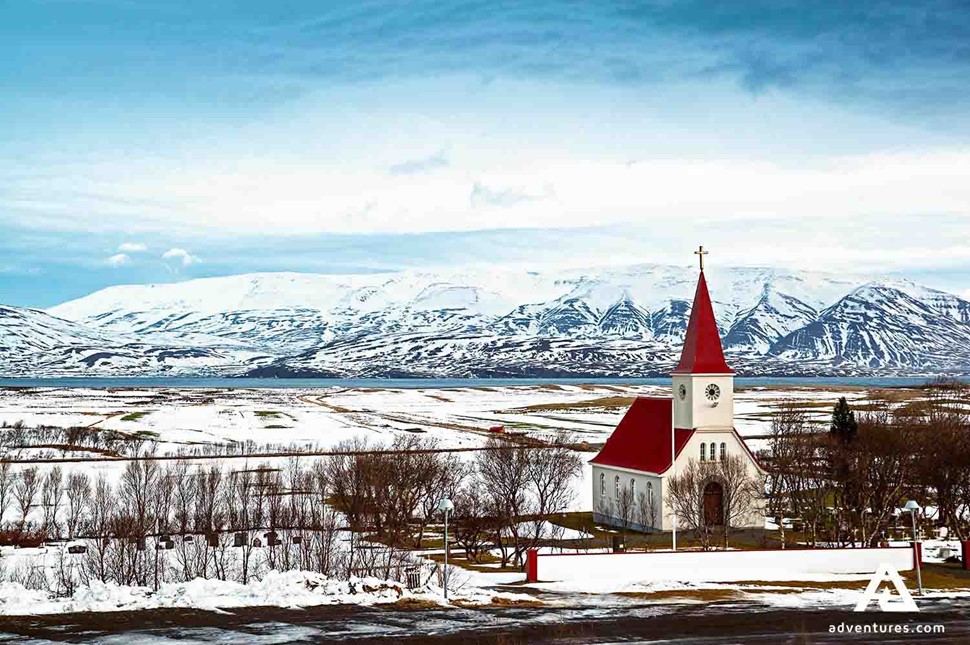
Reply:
x=444, y=478
x=7, y=483
x=647, y=509
x=551, y=469
x=886, y=460
x=527, y=485
x=78, y=496
x=25, y=492
x=685, y=493
x=942, y=439
x=52, y=496
x=474, y=527
x=625, y=508
x=743, y=493
x=102, y=512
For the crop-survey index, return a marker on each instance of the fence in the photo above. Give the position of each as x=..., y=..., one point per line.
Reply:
x=713, y=566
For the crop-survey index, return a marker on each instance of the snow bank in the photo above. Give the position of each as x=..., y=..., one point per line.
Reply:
x=282, y=589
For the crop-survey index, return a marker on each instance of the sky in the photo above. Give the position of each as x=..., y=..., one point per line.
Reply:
x=150, y=141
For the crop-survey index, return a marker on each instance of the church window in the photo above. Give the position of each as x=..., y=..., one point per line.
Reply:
x=713, y=454
x=650, y=492
x=723, y=451
x=616, y=487
x=703, y=452
x=603, y=484
x=633, y=488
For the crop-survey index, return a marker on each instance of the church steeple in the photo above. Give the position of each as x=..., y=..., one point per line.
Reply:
x=702, y=353
x=703, y=383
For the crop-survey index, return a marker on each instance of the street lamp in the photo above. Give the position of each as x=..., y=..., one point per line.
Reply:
x=912, y=507
x=446, y=506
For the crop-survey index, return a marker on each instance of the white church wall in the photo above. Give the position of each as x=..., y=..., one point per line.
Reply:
x=733, y=446
x=718, y=566
x=605, y=503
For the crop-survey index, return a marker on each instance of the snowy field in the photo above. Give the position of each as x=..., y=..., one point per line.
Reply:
x=458, y=417
x=277, y=420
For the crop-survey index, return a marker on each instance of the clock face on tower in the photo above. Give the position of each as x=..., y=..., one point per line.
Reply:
x=712, y=392
x=682, y=392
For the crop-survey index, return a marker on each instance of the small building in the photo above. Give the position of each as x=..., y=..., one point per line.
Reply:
x=631, y=474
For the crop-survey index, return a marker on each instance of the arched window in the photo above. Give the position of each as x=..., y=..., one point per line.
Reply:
x=616, y=487
x=633, y=488
x=723, y=451
x=603, y=484
x=713, y=454
x=650, y=492
x=703, y=452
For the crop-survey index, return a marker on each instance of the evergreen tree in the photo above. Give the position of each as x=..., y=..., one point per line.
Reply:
x=844, y=426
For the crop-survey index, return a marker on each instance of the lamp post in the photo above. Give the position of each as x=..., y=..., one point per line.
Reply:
x=673, y=464
x=912, y=507
x=446, y=506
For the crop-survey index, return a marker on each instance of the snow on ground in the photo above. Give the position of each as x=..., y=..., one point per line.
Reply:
x=459, y=417
x=323, y=417
x=284, y=589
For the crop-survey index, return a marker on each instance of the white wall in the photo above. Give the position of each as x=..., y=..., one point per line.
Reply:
x=604, y=505
x=719, y=566
x=733, y=446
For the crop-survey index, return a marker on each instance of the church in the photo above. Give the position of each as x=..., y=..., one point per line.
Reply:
x=631, y=473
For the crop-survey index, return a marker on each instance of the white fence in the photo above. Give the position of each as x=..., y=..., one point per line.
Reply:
x=715, y=566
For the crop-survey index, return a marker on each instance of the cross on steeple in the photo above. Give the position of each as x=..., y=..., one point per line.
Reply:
x=700, y=253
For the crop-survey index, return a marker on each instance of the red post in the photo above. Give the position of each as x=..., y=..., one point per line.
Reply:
x=532, y=565
x=966, y=554
x=917, y=554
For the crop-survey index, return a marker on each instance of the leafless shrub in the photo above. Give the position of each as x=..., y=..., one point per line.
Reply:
x=25, y=492
x=78, y=493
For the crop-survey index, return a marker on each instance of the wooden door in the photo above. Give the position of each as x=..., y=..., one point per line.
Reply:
x=713, y=505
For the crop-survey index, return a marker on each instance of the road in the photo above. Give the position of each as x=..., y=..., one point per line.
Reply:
x=711, y=623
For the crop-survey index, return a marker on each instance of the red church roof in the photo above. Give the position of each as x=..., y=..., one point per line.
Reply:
x=642, y=440
x=702, y=353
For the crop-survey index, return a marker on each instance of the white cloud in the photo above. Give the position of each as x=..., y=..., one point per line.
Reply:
x=119, y=259
x=888, y=211
x=292, y=198
x=180, y=256
x=132, y=247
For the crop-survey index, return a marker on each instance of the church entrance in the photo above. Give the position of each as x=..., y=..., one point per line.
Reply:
x=713, y=505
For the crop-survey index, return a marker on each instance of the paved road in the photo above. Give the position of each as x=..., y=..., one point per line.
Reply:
x=715, y=623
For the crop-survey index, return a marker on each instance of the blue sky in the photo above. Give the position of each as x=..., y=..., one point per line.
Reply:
x=144, y=141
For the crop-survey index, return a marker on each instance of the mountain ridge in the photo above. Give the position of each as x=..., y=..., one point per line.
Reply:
x=612, y=321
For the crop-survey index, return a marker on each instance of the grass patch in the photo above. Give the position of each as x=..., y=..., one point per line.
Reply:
x=938, y=577
x=601, y=402
x=700, y=595
x=796, y=586
x=412, y=604
x=274, y=426
x=134, y=416
x=268, y=414
x=516, y=602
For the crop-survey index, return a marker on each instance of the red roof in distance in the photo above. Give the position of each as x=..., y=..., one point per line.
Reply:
x=642, y=440
x=702, y=353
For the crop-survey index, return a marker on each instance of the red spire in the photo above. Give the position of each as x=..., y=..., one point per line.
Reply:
x=702, y=347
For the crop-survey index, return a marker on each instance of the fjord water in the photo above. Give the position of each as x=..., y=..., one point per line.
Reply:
x=432, y=383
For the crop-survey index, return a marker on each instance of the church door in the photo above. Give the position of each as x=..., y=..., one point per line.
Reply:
x=713, y=505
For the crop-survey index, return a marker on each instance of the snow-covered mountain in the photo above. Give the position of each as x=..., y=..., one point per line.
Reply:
x=465, y=322
x=34, y=343
x=885, y=325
